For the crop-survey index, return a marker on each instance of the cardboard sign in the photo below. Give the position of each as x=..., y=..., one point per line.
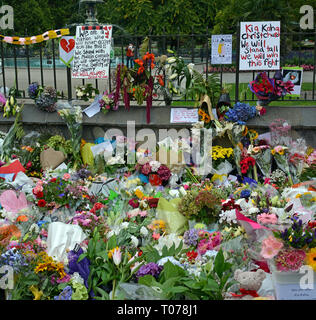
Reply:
x=67, y=49
x=92, y=52
x=221, y=49
x=184, y=115
x=295, y=75
x=259, y=45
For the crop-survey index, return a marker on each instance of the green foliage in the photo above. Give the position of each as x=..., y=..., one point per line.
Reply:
x=177, y=283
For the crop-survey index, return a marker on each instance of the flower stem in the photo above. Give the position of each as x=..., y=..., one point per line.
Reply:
x=255, y=173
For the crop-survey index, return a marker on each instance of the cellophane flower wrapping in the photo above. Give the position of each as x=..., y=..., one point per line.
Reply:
x=264, y=161
x=72, y=115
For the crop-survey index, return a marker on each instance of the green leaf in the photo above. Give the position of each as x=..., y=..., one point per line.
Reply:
x=148, y=280
x=219, y=263
x=81, y=257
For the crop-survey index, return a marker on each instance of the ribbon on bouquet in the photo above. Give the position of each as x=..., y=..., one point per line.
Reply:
x=52, y=34
x=245, y=292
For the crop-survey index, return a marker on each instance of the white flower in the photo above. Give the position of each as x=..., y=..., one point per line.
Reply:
x=182, y=191
x=253, y=210
x=143, y=231
x=173, y=76
x=167, y=241
x=228, y=216
x=174, y=193
x=164, y=260
x=171, y=60
x=155, y=165
x=124, y=225
x=134, y=241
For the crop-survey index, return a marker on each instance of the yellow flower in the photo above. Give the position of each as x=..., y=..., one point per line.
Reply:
x=110, y=253
x=37, y=294
x=298, y=195
x=281, y=152
x=290, y=238
x=273, y=152
x=311, y=258
x=139, y=194
x=253, y=134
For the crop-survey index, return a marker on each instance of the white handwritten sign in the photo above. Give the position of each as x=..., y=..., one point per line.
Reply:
x=184, y=115
x=259, y=46
x=92, y=52
x=221, y=49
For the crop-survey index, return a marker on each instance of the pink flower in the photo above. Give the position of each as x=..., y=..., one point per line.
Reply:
x=146, y=169
x=66, y=176
x=270, y=247
x=86, y=222
x=266, y=218
x=290, y=259
x=117, y=256
x=44, y=233
x=203, y=246
x=156, y=236
x=143, y=213
x=267, y=181
x=278, y=148
x=37, y=189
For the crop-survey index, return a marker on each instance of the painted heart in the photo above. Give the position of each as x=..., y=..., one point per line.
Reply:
x=67, y=45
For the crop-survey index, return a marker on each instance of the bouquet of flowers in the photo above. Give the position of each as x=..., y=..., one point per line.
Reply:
x=267, y=89
x=73, y=117
x=154, y=172
x=86, y=92
x=240, y=113
x=291, y=248
x=34, y=90
x=47, y=99
x=106, y=102
x=11, y=107
x=280, y=155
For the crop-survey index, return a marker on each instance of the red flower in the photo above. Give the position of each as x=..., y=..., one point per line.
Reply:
x=53, y=180
x=155, y=180
x=97, y=206
x=40, y=194
x=140, y=253
x=192, y=255
x=133, y=203
x=41, y=203
x=153, y=202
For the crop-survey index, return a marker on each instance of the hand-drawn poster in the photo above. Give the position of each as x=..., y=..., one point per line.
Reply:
x=184, y=115
x=92, y=52
x=67, y=49
x=221, y=49
x=259, y=45
x=295, y=75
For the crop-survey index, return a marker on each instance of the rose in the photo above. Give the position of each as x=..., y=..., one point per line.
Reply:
x=41, y=203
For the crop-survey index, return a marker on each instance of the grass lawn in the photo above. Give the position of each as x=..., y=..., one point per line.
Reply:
x=246, y=94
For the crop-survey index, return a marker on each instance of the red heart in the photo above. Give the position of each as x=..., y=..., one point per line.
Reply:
x=67, y=45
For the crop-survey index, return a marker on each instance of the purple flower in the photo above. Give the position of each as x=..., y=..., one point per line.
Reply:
x=149, y=269
x=191, y=237
x=65, y=294
x=245, y=193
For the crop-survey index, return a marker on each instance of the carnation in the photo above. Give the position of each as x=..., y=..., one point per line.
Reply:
x=155, y=165
x=164, y=173
x=266, y=218
x=146, y=169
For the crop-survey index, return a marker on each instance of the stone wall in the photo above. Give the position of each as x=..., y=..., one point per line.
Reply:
x=302, y=119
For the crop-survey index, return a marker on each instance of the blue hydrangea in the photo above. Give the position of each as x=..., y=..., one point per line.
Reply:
x=13, y=258
x=191, y=237
x=241, y=113
x=33, y=90
x=66, y=294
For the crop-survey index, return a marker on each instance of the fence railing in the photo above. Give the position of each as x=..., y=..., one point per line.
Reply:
x=22, y=65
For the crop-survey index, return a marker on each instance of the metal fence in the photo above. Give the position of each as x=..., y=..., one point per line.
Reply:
x=22, y=65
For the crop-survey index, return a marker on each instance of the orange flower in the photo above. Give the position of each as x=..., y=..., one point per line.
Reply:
x=7, y=232
x=22, y=218
x=160, y=80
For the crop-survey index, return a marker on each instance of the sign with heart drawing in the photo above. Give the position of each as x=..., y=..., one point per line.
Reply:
x=67, y=49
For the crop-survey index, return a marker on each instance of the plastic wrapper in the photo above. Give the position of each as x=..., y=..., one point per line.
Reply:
x=63, y=237
x=264, y=161
x=87, y=155
x=220, y=174
x=30, y=138
x=135, y=291
x=168, y=211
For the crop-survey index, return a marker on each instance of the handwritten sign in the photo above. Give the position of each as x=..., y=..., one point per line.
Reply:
x=184, y=115
x=92, y=52
x=259, y=46
x=221, y=49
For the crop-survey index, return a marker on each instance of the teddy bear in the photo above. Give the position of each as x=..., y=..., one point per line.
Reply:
x=249, y=283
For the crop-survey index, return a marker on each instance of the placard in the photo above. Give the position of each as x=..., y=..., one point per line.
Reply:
x=221, y=49
x=184, y=115
x=67, y=50
x=259, y=45
x=92, y=52
x=295, y=75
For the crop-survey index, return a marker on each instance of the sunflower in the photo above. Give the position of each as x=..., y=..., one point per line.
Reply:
x=311, y=258
x=253, y=134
